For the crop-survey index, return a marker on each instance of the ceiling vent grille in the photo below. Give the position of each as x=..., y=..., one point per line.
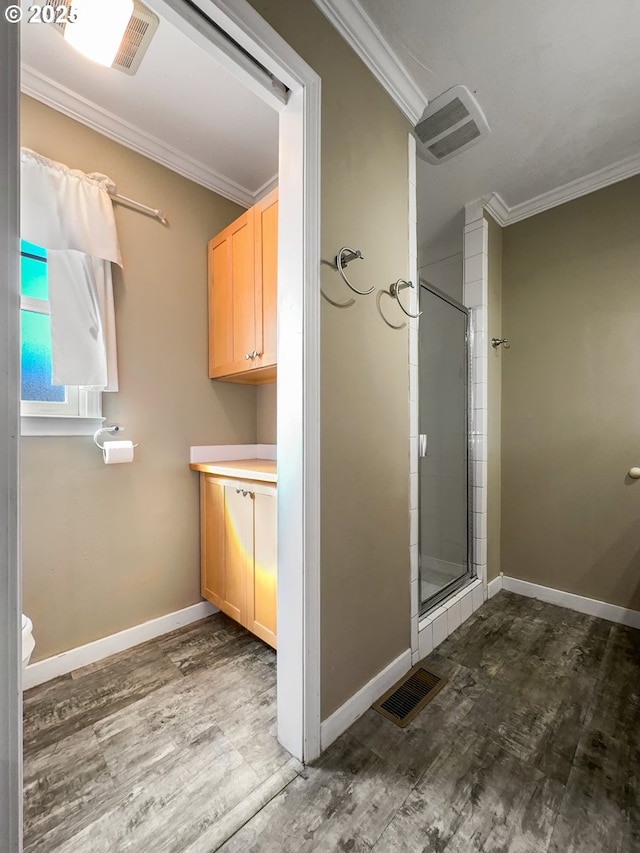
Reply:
x=136, y=39
x=450, y=124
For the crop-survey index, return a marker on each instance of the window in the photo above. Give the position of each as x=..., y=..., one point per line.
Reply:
x=39, y=397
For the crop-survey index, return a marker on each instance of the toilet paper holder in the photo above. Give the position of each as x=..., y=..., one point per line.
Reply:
x=112, y=429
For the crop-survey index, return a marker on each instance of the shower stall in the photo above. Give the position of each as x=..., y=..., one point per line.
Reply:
x=444, y=468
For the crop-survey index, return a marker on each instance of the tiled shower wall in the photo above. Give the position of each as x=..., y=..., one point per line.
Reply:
x=413, y=399
x=476, y=297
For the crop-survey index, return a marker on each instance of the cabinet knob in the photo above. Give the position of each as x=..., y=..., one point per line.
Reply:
x=248, y=355
x=255, y=354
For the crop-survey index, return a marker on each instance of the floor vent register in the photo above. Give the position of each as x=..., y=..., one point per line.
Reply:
x=409, y=695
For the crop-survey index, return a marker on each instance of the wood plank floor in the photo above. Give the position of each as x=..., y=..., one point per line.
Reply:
x=154, y=748
x=533, y=746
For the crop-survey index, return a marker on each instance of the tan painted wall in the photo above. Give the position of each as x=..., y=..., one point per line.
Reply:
x=266, y=413
x=105, y=548
x=570, y=397
x=365, y=449
x=494, y=390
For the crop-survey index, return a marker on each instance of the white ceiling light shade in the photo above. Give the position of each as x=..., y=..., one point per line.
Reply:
x=98, y=28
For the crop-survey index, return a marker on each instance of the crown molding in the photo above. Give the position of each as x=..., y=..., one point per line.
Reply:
x=353, y=23
x=52, y=94
x=505, y=215
x=497, y=207
x=266, y=188
x=619, y=171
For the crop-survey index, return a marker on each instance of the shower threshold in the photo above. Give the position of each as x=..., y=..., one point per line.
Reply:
x=441, y=594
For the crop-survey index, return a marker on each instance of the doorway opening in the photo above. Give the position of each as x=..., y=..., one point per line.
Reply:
x=297, y=354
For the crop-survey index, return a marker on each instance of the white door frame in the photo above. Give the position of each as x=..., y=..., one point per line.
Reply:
x=10, y=587
x=298, y=407
x=298, y=384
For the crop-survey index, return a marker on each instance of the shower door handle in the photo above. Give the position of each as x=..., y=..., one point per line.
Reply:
x=422, y=444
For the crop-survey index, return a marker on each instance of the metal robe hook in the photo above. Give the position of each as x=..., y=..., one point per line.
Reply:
x=395, y=289
x=344, y=257
x=497, y=342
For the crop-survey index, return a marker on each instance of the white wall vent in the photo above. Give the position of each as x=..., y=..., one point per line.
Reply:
x=136, y=39
x=450, y=124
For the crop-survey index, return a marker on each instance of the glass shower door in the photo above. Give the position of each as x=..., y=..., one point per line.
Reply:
x=443, y=464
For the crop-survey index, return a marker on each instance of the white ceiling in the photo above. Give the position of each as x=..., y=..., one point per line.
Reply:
x=181, y=105
x=559, y=83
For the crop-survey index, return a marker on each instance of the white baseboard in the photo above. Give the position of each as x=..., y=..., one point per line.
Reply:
x=590, y=606
x=495, y=586
x=45, y=670
x=345, y=715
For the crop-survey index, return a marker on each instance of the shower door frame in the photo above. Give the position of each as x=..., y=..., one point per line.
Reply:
x=454, y=587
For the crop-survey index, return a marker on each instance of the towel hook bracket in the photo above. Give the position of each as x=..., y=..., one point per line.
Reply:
x=342, y=259
x=497, y=342
x=394, y=290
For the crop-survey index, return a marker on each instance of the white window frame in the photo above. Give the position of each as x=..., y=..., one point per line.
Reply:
x=79, y=414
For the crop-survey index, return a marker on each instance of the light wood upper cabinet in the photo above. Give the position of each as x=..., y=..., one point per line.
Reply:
x=231, y=300
x=266, y=264
x=239, y=551
x=243, y=279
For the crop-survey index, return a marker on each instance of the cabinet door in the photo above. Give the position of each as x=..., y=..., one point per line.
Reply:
x=262, y=581
x=220, y=302
x=238, y=552
x=244, y=311
x=211, y=540
x=266, y=278
x=232, y=317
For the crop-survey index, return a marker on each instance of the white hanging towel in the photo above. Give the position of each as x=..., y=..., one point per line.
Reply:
x=82, y=321
x=70, y=214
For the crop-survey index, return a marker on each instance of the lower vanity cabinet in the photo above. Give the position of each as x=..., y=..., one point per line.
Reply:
x=261, y=582
x=239, y=551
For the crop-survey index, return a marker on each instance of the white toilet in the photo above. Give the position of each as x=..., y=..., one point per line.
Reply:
x=28, y=642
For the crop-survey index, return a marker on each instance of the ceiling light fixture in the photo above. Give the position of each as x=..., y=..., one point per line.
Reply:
x=98, y=28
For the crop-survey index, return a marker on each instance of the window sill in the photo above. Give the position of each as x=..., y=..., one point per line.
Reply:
x=41, y=425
